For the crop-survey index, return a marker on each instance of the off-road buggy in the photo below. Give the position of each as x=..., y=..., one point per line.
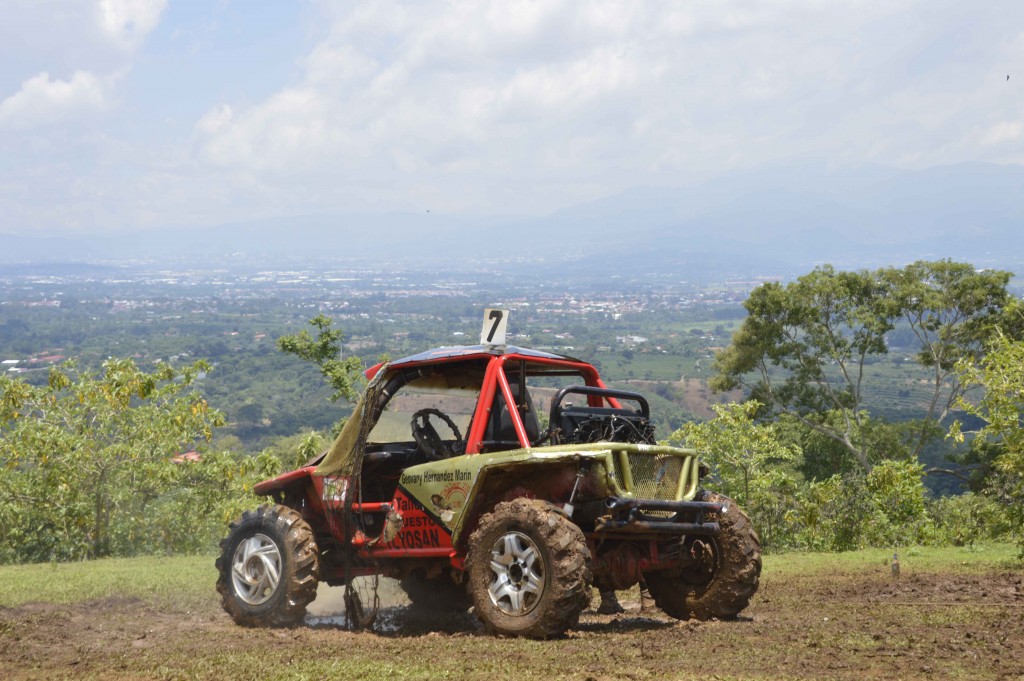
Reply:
x=448, y=478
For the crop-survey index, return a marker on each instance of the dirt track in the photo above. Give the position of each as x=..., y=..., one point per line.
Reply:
x=820, y=627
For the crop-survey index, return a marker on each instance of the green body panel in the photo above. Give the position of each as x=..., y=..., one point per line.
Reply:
x=450, y=486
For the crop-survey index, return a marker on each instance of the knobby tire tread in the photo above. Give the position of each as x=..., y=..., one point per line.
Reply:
x=735, y=582
x=568, y=578
x=300, y=566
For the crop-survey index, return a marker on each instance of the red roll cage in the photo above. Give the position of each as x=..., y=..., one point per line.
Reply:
x=497, y=357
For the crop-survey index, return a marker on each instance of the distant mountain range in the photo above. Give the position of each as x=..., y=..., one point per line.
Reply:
x=770, y=220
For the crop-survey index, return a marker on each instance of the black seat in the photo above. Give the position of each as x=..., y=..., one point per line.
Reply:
x=500, y=429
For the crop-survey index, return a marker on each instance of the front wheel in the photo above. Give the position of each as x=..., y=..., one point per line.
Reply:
x=723, y=576
x=529, y=570
x=268, y=567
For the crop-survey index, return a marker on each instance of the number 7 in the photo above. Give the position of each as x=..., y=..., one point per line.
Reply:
x=496, y=315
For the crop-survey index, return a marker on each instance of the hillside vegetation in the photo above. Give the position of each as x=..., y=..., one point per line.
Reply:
x=173, y=405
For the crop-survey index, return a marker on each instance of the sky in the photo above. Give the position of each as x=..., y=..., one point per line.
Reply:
x=126, y=115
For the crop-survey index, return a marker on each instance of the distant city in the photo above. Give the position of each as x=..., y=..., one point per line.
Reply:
x=355, y=291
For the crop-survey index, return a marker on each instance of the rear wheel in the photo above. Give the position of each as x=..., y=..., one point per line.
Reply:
x=529, y=570
x=724, y=575
x=268, y=567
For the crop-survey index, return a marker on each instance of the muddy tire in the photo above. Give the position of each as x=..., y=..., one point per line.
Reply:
x=722, y=586
x=268, y=568
x=529, y=570
x=437, y=593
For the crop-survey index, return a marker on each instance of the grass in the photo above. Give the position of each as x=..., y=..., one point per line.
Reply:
x=182, y=582
x=816, y=616
x=187, y=582
x=979, y=558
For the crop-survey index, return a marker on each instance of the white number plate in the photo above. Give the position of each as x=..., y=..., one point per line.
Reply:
x=495, y=324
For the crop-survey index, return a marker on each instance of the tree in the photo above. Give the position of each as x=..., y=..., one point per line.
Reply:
x=804, y=347
x=897, y=502
x=830, y=514
x=295, y=450
x=1001, y=374
x=251, y=413
x=824, y=457
x=753, y=465
x=87, y=457
x=953, y=311
x=343, y=374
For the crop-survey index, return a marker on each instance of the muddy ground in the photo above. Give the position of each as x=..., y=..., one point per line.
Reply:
x=862, y=626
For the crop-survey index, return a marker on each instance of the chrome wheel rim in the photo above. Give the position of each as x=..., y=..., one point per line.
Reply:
x=256, y=569
x=518, y=574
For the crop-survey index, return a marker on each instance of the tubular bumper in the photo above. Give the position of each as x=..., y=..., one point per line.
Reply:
x=621, y=515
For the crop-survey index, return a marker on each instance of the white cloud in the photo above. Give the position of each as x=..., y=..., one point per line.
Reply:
x=1007, y=131
x=459, y=98
x=290, y=131
x=43, y=101
x=215, y=119
x=512, y=106
x=128, y=22
x=572, y=84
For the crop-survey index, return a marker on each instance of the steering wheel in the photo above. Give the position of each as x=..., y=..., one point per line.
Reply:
x=427, y=439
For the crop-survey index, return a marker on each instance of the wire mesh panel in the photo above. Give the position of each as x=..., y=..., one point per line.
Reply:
x=655, y=476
